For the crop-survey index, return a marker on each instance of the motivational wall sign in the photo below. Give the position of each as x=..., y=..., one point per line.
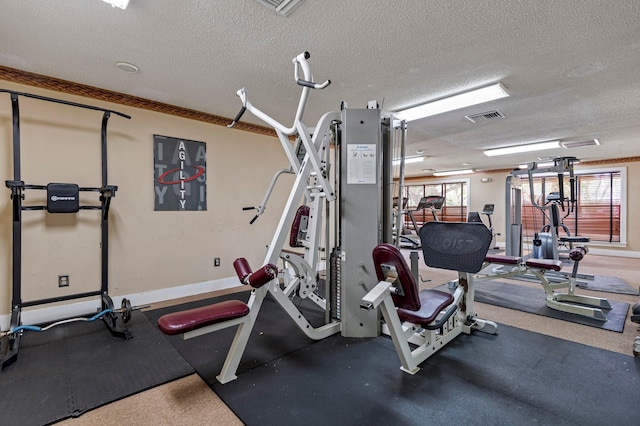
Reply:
x=180, y=174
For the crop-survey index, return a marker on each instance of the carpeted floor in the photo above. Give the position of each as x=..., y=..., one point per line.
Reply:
x=76, y=367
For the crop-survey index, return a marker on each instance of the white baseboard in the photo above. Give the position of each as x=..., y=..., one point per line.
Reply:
x=42, y=315
x=615, y=253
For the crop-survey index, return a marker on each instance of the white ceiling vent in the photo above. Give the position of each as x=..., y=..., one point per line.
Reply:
x=580, y=144
x=281, y=7
x=484, y=116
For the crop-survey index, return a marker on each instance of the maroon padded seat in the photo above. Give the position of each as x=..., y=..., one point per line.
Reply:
x=182, y=322
x=185, y=321
x=417, y=307
x=550, y=264
x=432, y=302
x=507, y=260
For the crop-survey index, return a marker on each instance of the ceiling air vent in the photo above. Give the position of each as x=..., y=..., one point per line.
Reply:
x=484, y=116
x=580, y=144
x=281, y=7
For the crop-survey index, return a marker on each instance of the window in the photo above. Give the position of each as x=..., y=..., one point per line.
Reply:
x=453, y=210
x=597, y=212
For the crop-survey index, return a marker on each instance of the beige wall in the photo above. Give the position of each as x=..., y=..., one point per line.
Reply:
x=148, y=250
x=155, y=250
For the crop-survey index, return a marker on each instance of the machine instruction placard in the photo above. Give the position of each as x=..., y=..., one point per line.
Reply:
x=361, y=164
x=180, y=178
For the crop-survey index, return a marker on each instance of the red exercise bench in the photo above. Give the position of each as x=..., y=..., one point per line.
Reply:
x=208, y=318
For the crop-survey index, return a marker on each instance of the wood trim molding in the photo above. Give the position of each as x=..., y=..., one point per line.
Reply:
x=50, y=83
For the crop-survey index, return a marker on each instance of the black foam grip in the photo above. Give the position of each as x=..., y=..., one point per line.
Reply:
x=238, y=116
x=555, y=215
x=306, y=83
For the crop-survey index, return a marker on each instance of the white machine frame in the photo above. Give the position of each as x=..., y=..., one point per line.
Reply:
x=357, y=209
x=587, y=306
x=426, y=342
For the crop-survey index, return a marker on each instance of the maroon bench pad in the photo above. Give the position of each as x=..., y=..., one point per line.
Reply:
x=507, y=260
x=431, y=303
x=182, y=322
x=550, y=264
x=303, y=211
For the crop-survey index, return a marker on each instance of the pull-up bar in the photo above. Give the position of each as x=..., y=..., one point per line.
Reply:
x=61, y=198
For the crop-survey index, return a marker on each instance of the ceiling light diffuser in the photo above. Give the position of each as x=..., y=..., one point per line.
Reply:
x=454, y=172
x=522, y=148
x=462, y=100
x=122, y=4
x=408, y=160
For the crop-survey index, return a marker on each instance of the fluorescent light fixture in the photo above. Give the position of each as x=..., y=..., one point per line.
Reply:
x=462, y=100
x=522, y=148
x=408, y=160
x=454, y=172
x=122, y=4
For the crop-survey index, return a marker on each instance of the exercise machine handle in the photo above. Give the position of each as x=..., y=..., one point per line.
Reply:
x=305, y=80
x=301, y=60
x=272, y=184
x=561, y=189
x=313, y=85
x=237, y=118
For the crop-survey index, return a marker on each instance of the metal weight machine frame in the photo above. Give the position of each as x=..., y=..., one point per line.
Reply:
x=562, y=166
x=9, y=343
x=513, y=234
x=356, y=198
x=357, y=211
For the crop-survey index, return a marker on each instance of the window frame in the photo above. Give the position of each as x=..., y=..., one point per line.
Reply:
x=622, y=170
x=465, y=196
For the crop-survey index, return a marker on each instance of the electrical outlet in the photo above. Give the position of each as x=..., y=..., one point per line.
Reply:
x=63, y=280
x=216, y=261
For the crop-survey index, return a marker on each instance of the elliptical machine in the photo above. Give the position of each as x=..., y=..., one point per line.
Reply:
x=487, y=210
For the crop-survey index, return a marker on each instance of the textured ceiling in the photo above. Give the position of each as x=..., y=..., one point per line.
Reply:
x=570, y=66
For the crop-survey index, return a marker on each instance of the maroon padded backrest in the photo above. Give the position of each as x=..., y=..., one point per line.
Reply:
x=388, y=254
x=303, y=211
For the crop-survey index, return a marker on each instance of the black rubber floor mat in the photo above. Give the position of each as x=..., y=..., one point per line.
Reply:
x=533, y=301
x=273, y=336
x=514, y=378
x=75, y=367
x=608, y=285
